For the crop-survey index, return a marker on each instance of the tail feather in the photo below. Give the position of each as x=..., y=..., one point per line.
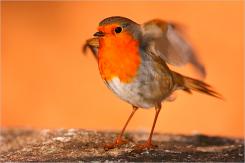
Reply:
x=188, y=84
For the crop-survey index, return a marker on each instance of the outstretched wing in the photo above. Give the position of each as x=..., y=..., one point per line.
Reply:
x=93, y=45
x=164, y=40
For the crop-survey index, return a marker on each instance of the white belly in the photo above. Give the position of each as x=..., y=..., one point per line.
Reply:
x=128, y=93
x=142, y=96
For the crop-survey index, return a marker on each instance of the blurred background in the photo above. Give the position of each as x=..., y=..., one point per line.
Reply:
x=47, y=82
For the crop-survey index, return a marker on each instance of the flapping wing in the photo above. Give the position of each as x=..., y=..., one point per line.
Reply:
x=163, y=39
x=93, y=45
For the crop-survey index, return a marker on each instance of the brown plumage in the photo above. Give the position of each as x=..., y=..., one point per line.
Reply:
x=189, y=84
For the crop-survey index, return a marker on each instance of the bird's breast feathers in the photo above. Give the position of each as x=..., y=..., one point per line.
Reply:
x=119, y=57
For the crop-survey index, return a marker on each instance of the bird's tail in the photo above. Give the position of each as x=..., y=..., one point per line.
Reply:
x=188, y=84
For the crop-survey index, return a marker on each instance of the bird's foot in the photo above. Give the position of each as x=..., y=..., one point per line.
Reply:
x=146, y=145
x=117, y=143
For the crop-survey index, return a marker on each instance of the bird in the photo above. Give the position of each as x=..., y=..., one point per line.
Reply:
x=133, y=61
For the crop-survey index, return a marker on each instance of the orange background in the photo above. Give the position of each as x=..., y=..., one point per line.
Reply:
x=48, y=82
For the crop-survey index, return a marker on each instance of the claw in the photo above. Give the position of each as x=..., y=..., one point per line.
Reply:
x=117, y=143
x=146, y=145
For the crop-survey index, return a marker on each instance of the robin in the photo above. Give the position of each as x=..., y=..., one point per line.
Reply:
x=132, y=60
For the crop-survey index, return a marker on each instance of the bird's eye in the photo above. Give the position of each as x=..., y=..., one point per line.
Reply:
x=118, y=29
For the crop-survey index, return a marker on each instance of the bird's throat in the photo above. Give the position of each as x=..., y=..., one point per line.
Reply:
x=119, y=57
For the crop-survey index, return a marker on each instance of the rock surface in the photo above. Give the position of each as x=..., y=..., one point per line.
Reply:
x=83, y=145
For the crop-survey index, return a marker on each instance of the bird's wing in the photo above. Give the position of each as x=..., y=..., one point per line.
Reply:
x=165, y=40
x=93, y=45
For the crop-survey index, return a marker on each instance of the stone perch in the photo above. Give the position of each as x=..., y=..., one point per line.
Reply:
x=83, y=145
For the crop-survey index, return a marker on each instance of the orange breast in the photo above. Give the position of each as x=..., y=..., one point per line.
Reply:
x=119, y=57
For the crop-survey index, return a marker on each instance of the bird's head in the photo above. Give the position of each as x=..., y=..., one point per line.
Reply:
x=118, y=28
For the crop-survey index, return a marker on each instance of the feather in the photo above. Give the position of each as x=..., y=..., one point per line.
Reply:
x=93, y=45
x=164, y=40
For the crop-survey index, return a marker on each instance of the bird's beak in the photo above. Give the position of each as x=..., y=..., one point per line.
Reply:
x=99, y=34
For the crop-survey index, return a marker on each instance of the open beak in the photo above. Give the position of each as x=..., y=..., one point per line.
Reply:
x=99, y=34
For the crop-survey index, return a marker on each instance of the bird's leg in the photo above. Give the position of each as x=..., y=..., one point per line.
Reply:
x=119, y=141
x=148, y=144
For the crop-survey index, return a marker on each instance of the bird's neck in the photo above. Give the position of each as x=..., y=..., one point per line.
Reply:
x=119, y=57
